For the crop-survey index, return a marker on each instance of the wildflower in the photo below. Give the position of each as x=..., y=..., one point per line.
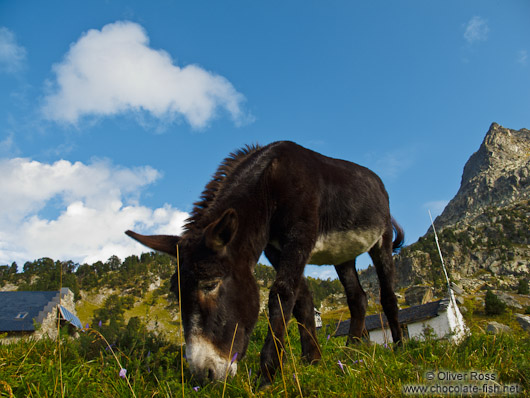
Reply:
x=196, y=388
x=123, y=373
x=109, y=347
x=359, y=361
x=233, y=358
x=249, y=373
x=99, y=324
x=87, y=326
x=327, y=338
x=341, y=366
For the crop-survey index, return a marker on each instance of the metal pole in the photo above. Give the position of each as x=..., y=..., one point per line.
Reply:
x=440, y=253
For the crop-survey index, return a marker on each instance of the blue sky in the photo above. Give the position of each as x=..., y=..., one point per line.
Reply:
x=114, y=114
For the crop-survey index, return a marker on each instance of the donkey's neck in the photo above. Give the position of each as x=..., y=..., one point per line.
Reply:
x=221, y=182
x=241, y=184
x=253, y=234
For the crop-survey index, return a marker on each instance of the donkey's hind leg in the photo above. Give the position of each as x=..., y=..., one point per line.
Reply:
x=304, y=312
x=381, y=255
x=356, y=298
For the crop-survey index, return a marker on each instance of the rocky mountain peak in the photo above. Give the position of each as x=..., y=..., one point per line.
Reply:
x=483, y=231
x=496, y=175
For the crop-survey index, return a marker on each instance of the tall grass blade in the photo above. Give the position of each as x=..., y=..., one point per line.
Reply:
x=180, y=327
x=229, y=356
x=290, y=347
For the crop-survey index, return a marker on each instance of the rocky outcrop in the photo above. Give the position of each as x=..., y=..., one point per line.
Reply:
x=524, y=321
x=497, y=328
x=418, y=294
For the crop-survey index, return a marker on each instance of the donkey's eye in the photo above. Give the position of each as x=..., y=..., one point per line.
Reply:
x=209, y=286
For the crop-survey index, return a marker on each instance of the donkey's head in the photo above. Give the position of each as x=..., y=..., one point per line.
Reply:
x=219, y=295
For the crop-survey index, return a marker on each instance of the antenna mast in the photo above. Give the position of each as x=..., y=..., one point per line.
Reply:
x=440, y=253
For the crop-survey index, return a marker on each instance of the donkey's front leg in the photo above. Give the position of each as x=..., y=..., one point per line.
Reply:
x=304, y=312
x=282, y=298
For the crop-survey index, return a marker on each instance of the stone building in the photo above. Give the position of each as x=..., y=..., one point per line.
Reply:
x=35, y=314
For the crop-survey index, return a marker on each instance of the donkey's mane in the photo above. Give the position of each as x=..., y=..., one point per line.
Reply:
x=212, y=189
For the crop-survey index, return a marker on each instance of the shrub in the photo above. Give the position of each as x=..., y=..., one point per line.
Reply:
x=522, y=287
x=493, y=305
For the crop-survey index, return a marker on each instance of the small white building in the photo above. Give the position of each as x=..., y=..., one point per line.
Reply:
x=441, y=318
x=318, y=318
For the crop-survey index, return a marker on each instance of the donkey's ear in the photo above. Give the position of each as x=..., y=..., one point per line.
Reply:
x=221, y=232
x=161, y=243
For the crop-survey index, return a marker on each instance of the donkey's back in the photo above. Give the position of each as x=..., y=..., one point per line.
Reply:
x=344, y=205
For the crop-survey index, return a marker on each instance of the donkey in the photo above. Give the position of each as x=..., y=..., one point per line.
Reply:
x=299, y=207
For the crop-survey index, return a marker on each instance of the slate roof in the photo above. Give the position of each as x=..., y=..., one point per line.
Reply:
x=416, y=313
x=18, y=310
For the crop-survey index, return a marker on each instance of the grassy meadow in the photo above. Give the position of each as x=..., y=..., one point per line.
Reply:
x=90, y=366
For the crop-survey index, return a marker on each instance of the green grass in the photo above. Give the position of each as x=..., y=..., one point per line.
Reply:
x=85, y=310
x=84, y=368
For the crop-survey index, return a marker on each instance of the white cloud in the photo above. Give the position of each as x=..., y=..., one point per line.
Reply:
x=476, y=29
x=7, y=145
x=113, y=70
x=320, y=271
x=391, y=164
x=96, y=203
x=12, y=56
x=522, y=57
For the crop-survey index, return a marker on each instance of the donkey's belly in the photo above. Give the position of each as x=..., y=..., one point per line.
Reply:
x=337, y=247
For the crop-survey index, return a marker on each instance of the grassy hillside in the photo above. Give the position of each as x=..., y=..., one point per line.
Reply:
x=134, y=326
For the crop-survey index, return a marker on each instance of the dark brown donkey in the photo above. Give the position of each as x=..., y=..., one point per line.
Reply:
x=299, y=207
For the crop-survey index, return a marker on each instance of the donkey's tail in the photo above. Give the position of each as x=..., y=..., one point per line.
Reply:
x=400, y=236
